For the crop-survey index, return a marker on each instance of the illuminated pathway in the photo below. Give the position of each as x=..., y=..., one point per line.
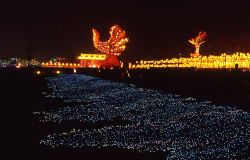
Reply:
x=241, y=60
x=182, y=128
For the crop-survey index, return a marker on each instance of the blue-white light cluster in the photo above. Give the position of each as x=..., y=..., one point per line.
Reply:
x=182, y=128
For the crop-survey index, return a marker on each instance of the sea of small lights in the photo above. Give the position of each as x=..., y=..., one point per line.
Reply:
x=182, y=128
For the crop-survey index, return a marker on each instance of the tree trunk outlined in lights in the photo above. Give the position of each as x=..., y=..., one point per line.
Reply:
x=197, y=41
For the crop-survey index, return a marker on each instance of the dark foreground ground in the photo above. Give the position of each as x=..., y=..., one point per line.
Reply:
x=21, y=133
x=21, y=96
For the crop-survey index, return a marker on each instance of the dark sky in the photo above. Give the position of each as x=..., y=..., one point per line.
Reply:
x=157, y=29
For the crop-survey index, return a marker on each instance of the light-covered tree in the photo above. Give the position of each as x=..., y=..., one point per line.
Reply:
x=197, y=41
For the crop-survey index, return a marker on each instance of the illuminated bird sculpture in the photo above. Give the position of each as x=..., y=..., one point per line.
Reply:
x=116, y=43
x=197, y=41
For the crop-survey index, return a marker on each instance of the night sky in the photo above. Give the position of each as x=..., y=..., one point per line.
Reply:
x=156, y=29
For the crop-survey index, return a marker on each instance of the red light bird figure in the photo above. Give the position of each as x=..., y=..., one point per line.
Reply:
x=113, y=47
x=116, y=43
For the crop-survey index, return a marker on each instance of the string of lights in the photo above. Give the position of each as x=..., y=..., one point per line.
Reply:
x=236, y=60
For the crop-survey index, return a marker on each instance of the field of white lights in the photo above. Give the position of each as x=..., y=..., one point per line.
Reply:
x=179, y=127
